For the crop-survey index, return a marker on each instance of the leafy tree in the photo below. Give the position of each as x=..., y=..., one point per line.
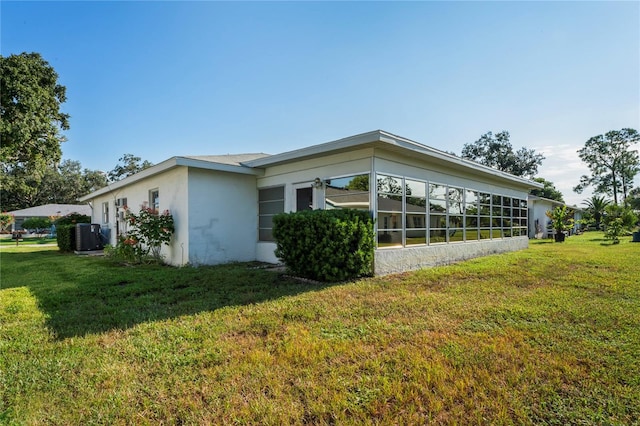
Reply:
x=359, y=183
x=596, y=207
x=497, y=152
x=30, y=119
x=130, y=166
x=633, y=199
x=62, y=184
x=549, y=191
x=617, y=221
x=612, y=162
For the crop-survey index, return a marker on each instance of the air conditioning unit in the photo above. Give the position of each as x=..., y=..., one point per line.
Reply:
x=88, y=237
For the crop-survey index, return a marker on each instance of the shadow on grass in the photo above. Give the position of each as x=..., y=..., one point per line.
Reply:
x=82, y=295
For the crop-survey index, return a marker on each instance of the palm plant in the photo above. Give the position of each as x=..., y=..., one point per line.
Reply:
x=596, y=206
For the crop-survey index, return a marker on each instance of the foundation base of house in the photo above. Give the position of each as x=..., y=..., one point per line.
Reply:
x=390, y=261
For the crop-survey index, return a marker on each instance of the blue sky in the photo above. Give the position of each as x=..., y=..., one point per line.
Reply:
x=158, y=79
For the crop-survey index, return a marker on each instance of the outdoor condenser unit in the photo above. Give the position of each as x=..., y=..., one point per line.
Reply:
x=88, y=237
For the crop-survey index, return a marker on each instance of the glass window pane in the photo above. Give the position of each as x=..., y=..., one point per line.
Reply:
x=416, y=221
x=391, y=203
x=437, y=191
x=496, y=200
x=265, y=234
x=496, y=211
x=389, y=220
x=390, y=239
x=485, y=210
x=270, y=194
x=265, y=221
x=471, y=234
x=415, y=237
x=484, y=198
x=437, y=221
x=485, y=234
x=437, y=236
x=496, y=233
x=358, y=201
x=485, y=221
x=470, y=196
x=506, y=201
x=415, y=204
x=271, y=207
x=506, y=211
x=358, y=183
x=415, y=189
x=506, y=232
x=455, y=194
x=455, y=221
x=456, y=235
x=389, y=185
x=471, y=210
x=437, y=206
x=455, y=207
x=471, y=222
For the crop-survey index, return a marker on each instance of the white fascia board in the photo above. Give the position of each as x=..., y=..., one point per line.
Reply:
x=169, y=164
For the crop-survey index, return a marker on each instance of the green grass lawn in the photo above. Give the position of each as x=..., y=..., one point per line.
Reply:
x=27, y=240
x=548, y=335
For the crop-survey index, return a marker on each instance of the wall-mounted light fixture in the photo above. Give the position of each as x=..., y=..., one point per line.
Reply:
x=317, y=183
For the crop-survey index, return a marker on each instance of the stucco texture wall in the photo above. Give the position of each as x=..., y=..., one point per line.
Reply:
x=223, y=217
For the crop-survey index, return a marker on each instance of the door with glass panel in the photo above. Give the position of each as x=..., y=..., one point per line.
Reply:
x=303, y=196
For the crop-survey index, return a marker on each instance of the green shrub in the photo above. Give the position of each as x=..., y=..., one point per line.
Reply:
x=618, y=220
x=66, y=230
x=325, y=245
x=40, y=225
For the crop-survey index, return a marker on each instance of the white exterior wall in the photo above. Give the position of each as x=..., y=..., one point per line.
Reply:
x=331, y=166
x=172, y=187
x=223, y=217
x=537, y=211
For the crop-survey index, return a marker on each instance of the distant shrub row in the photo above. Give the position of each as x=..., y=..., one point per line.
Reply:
x=325, y=245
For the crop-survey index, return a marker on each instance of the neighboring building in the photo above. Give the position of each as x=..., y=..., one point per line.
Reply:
x=539, y=223
x=430, y=207
x=47, y=210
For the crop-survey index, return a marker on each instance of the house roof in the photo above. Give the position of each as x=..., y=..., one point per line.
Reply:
x=48, y=210
x=254, y=164
x=535, y=198
x=226, y=163
x=389, y=141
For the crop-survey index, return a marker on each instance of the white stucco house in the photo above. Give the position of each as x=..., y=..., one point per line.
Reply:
x=430, y=207
x=539, y=223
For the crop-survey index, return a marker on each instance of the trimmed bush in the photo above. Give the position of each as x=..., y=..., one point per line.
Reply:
x=66, y=230
x=325, y=245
